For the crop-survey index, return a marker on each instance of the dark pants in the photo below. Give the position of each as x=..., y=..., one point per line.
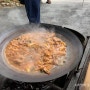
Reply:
x=33, y=10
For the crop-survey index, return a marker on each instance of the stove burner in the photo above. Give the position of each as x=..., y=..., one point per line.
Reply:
x=12, y=85
x=49, y=85
x=16, y=85
x=62, y=83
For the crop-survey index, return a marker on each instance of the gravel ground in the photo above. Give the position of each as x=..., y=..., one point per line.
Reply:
x=9, y=3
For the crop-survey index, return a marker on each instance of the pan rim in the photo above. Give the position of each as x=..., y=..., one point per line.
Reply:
x=42, y=79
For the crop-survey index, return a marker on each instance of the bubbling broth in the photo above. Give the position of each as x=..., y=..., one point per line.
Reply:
x=35, y=51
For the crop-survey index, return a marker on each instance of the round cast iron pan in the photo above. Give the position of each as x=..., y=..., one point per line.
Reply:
x=74, y=53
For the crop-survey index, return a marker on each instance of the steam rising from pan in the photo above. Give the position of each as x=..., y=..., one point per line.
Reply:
x=37, y=50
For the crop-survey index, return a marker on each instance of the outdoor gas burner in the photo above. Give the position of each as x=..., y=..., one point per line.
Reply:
x=69, y=81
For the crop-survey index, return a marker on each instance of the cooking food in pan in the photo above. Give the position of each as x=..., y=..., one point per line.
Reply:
x=35, y=51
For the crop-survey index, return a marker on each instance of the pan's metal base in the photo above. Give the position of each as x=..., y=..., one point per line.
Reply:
x=73, y=56
x=52, y=85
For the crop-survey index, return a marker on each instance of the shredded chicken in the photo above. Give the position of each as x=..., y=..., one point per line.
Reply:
x=35, y=51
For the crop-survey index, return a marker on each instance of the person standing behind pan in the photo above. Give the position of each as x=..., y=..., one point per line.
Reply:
x=33, y=10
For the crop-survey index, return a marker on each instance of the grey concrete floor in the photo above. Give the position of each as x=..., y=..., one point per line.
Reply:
x=71, y=15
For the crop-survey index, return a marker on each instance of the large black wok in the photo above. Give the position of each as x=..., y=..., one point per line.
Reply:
x=74, y=54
